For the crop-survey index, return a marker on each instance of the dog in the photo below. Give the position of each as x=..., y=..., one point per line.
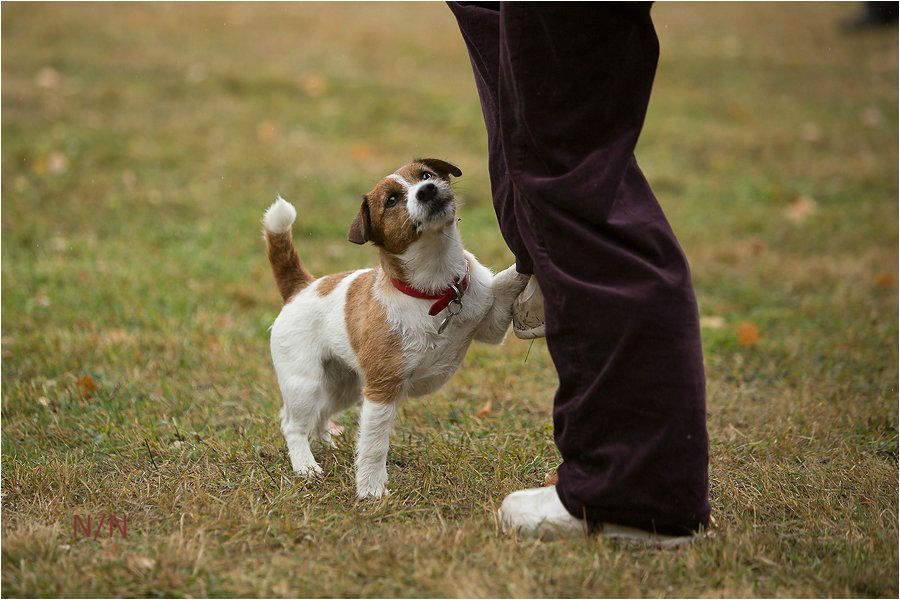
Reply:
x=384, y=334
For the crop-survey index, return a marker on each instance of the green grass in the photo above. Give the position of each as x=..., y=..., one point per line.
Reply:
x=141, y=144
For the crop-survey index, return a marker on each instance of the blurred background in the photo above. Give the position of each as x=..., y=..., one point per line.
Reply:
x=141, y=143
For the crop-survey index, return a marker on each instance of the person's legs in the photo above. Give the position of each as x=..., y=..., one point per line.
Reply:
x=565, y=113
x=622, y=322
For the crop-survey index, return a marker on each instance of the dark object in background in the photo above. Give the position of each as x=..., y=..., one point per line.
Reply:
x=874, y=14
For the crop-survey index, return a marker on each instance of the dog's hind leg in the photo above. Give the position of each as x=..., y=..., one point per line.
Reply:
x=343, y=390
x=303, y=401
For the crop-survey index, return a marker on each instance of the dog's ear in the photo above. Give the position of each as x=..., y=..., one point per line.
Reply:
x=441, y=167
x=361, y=227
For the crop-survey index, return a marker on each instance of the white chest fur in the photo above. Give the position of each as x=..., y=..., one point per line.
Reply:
x=432, y=357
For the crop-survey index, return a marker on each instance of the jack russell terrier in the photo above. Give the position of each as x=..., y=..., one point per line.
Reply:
x=383, y=334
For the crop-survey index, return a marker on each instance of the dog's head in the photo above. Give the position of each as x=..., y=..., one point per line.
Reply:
x=408, y=203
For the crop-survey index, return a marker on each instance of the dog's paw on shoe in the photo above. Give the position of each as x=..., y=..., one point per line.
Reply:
x=509, y=282
x=528, y=312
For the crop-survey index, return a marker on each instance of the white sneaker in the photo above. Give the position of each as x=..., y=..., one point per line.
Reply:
x=538, y=512
x=528, y=312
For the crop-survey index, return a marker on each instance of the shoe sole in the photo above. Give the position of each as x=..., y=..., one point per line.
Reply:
x=530, y=334
x=548, y=533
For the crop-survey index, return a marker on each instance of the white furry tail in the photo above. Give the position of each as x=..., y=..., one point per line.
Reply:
x=280, y=216
x=290, y=274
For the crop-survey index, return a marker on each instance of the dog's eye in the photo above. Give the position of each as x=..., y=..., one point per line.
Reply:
x=426, y=175
x=392, y=200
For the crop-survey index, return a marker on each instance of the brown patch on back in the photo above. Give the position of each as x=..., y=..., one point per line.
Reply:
x=327, y=284
x=378, y=348
x=290, y=273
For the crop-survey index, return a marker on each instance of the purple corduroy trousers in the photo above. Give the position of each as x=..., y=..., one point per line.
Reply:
x=564, y=89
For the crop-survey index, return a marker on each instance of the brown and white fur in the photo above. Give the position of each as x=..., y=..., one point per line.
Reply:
x=352, y=336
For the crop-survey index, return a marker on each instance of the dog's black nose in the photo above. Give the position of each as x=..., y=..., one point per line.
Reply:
x=427, y=193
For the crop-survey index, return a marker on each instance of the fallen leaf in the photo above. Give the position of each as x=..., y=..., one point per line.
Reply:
x=266, y=131
x=811, y=133
x=757, y=246
x=731, y=432
x=282, y=589
x=116, y=336
x=43, y=401
x=57, y=162
x=871, y=117
x=767, y=561
x=748, y=334
x=110, y=552
x=884, y=279
x=738, y=112
x=86, y=386
x=486, y=409
x=140, y=563
x=361, y=151
x=196, y=73
x=551, y=478
x=712, y=322
x=314, y=85
x=130, y=180
x=801, y=209
x=48, y=78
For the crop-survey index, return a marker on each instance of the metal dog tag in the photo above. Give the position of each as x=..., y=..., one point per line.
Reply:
x=450, y=314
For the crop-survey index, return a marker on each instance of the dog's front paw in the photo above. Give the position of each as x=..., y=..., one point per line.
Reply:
x=509, y=282
x=371, y=485
x=308, y=470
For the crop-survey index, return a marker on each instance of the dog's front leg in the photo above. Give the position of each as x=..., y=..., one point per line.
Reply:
x=505, y=286
x=375, y=424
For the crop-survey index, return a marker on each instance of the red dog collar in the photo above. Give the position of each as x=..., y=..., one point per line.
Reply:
x=444, y=297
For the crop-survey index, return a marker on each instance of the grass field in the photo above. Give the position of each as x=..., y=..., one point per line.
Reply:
x=141, y=144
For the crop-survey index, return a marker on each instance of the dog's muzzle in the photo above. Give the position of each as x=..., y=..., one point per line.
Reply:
x=432, y=200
